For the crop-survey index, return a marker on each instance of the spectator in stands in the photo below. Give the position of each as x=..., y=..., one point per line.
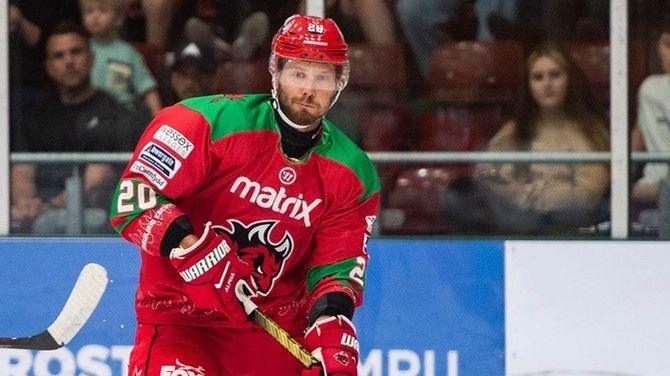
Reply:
x=557, y=115
x=429, y=23
x=191, y=71
x=159, y=16
x=368, y=21
x=242, y=45
x=238, y=30
x=80, y=119
x=119, y=68
x=653, y=122
x=574, y=20
x=45, y=14
x=28, y=30
x=26, y=76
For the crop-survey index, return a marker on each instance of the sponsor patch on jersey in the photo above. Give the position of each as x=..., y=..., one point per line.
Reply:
x=160, y=159
x=154, y=177
x=287, y=175
x=278, y=201
x=174, y=140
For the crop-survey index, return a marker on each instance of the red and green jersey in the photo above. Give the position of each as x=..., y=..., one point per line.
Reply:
x=219, y=159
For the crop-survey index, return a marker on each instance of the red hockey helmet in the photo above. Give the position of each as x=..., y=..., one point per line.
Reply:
x=310, y=38
x=314, y=39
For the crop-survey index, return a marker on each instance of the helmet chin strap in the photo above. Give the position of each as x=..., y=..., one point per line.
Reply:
x=283, y=116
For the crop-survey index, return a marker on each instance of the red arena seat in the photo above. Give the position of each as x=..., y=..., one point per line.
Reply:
x=593, y=59
x=471, y=70
x=375, y=95
x=449, y=129
x=417, y=203
x=383, y=128
x=243, y=77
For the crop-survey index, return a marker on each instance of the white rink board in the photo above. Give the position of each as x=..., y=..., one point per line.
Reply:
x=587, y=308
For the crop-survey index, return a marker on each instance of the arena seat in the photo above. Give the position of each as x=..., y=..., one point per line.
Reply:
x=377, y=74
x=377, y=71
x=593, y=58
x=418, y=202
x=375, y=95
x=243, y=77
x=459, y=127
x=472, y=89
x=383, y=128
x=476, y=71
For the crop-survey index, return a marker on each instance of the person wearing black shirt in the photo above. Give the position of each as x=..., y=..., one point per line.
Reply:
x=80, y=119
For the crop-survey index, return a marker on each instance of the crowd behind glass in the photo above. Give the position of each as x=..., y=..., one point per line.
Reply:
x=435, y=75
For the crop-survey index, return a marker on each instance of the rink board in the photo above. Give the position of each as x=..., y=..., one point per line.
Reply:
x=431, y=307
x=587, y=308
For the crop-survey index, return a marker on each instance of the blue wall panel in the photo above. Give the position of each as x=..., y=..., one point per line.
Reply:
x=435, y=296
x=426, y=301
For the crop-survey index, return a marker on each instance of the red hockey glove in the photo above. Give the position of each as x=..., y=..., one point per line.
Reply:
x=333, y=341
x=210, y=267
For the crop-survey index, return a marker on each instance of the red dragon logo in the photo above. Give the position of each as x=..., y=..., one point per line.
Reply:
x=256, y=249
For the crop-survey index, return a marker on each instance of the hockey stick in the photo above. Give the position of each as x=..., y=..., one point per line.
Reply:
x=83, y=299
x=276, y=331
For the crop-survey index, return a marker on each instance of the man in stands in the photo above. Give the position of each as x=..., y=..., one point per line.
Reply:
x=78, y=119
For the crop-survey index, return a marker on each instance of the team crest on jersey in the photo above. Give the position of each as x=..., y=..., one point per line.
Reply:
x=255, y=247
x=221, y=97
x=344, y=358
x=182, y=369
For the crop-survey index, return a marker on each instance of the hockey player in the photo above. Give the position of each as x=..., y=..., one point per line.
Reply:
x=255, y=188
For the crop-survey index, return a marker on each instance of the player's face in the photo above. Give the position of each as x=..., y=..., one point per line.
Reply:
x=548, y=83
x=306, y=89
x=664, y=51
x=69, y=60
x=101, y=20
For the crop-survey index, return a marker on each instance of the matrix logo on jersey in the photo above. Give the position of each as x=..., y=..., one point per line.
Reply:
x=255, y=247
x=276, y=200
x=160, y=159
x=174, y=140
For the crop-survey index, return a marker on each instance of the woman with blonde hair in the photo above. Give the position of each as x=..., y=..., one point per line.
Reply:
x=558, y=115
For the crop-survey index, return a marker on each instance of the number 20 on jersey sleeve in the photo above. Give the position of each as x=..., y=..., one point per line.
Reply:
x=134, y=195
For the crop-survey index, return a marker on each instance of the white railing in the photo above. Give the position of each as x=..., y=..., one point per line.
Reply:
x=75, y=191
x=410, y=157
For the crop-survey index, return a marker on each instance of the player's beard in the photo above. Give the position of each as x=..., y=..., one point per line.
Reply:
x=300, y=116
